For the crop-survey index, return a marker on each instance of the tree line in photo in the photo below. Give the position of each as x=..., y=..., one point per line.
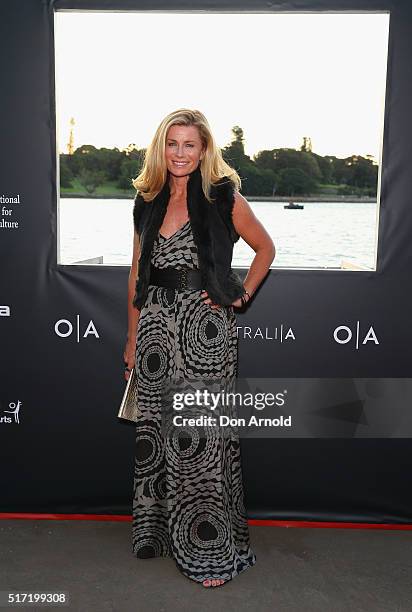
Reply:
x=277, y=172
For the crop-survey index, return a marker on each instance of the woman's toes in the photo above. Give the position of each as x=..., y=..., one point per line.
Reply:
x=214, y=582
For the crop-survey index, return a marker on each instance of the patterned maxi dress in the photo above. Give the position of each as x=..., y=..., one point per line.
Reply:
x=188, y=493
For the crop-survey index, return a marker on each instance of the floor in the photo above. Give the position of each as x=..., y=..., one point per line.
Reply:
x=297, y=569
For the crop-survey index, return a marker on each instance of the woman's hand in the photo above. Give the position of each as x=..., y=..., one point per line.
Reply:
x=205, y=294
x=238, y=302
x=129, y=357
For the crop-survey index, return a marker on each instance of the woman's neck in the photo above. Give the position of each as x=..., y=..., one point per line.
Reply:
x=178, y=185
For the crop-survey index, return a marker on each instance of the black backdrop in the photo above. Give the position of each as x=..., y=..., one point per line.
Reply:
x=69, y=452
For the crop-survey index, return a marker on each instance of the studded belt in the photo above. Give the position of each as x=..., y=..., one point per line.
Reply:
x=176, y=278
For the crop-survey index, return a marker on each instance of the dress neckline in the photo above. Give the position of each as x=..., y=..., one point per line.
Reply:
x=176, y=232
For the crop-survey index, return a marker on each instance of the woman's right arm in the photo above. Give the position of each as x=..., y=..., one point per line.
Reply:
x=133, y=313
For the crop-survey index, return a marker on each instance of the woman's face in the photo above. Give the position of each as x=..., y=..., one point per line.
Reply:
x=183, y=149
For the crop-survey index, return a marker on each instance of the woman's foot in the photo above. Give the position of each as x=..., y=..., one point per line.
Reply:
x=212, y=582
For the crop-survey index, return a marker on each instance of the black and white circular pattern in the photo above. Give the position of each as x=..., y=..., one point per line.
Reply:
x=188, y=500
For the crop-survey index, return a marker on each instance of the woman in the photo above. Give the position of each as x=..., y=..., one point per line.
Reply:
x=188, y=492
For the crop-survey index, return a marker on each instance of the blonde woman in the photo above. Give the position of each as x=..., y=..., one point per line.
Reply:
x=188, y=213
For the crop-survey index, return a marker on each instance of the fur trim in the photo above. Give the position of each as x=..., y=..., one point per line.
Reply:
x=213, y=234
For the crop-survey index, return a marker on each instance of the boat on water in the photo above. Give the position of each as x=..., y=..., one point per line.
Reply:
x=292, y=205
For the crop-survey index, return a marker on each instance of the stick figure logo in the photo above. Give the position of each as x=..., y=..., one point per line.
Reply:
x=14, y=409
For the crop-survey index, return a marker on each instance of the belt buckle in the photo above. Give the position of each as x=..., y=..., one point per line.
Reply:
x=183, y=278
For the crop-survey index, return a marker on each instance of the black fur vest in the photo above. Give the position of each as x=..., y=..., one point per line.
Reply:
x=213, y=233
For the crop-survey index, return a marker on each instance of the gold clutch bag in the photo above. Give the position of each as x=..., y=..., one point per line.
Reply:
x=128, y=406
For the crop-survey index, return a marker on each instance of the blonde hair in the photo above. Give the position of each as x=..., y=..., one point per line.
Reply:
x=154, y=172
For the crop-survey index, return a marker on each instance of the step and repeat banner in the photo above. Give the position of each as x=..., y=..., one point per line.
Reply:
x=324, y=355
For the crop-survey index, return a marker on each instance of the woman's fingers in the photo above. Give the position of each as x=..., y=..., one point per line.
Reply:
x=127, y=373
x=205, y=294
x=129, y=359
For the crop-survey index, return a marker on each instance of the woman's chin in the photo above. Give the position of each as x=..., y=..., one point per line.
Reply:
x=181, y=170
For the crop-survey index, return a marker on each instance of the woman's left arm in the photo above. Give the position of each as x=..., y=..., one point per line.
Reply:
x=254, y=234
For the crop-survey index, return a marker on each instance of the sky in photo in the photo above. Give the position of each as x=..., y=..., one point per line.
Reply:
x=279, y=76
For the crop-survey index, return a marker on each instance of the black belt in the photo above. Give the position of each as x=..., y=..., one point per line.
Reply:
x=176, y=278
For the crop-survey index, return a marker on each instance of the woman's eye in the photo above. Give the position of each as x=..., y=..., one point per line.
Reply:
x=172, y=144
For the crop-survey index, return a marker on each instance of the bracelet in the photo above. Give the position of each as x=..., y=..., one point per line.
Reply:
x=243, y=299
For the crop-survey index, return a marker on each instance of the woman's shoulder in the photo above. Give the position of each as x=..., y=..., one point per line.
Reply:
x=224, y=188
x=138, y=209
x=225, y=192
